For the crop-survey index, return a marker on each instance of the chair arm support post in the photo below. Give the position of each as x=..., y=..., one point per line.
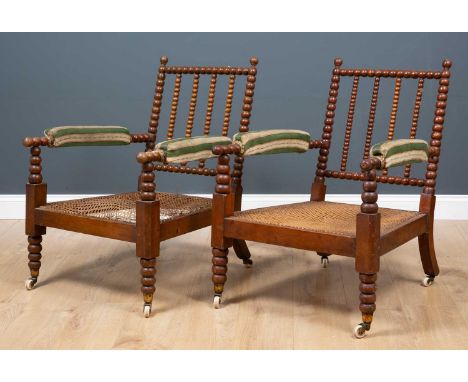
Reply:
x=223, y=197
x=369, y=194
x=368, y=221
x=147, y=185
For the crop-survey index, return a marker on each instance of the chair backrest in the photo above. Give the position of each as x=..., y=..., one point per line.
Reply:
x=196, y=75
x=378, y=76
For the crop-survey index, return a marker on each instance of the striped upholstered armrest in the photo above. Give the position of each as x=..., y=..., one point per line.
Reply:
x=401, y=152
x=65, y=136
x=272, y=142
x=182, y=150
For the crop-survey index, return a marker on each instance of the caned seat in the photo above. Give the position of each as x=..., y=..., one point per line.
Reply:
x=323, y=217
x=122, y=207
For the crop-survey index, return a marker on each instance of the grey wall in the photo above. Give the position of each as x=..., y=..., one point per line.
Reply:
x=55, y=79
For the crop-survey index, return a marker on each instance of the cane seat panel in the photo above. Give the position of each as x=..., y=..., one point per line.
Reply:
x=323, y=217
x=121, y=207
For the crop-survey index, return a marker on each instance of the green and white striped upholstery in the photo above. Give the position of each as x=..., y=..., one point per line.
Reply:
x=181, y=150
x=272, y=142
x=64, y=136
x=401, y=152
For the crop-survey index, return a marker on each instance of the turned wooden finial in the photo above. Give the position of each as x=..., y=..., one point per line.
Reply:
x=447, y=64
x=163, y=60
x=253, y=61
x=338, y=61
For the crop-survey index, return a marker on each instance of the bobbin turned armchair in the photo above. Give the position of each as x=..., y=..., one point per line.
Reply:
x=363, y=232
x=145, y=217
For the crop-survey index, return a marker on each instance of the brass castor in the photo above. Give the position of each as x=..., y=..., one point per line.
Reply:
x=360, y=331
x=217, y=302
x=29, y=284
x=247, y=263
x=146, y=310
x=428, y=281
x=324, y=261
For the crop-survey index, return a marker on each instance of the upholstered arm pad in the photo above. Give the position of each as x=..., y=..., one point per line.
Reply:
x=64, y=136
x=400, y=152
x=181, y=150
x=272, y=142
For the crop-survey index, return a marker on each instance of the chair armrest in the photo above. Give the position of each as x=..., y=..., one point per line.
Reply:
x=400, y=152
x=272, y=142
x=183, y=150
x=45, y=141
x=66, y=136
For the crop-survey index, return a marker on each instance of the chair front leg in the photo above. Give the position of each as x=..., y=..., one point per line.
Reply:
x=148, y=281
x=368, y=246
x=223, y=206
x=36, y=196
x=147, y=234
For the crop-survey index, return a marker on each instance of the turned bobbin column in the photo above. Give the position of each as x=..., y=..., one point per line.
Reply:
x=368, y=244
x=318, y=187
x=248, y=96
x=157, y=101
x=223, y=206
x=147, y=229
x=437, y=129
x=36, y=196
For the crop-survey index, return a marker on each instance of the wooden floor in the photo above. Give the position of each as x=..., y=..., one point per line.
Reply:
x=88, y=297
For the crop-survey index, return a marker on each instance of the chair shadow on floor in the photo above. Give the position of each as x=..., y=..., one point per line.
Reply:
x=105, y=272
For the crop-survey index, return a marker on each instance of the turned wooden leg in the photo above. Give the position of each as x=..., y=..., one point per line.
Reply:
x=34, y=249
x=428, y=258
x=426, y=241
x=324, y=258
x=219, y=270
x=242, y=252
x=367, y=298
x=240, y=246
x=148, y=271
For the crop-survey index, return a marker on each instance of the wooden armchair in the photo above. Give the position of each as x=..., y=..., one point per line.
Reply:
x=363, y=232
x=145, y=217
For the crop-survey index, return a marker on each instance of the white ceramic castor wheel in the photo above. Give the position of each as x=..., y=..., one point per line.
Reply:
x=324, y=261
x=147, y=310
x=359, y=331
x=217, y=302
x=248, y=263
x=29, y=284
x=428, y=281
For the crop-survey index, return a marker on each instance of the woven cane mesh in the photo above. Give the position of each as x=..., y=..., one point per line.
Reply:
x=121, y=207
x=322, y=217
